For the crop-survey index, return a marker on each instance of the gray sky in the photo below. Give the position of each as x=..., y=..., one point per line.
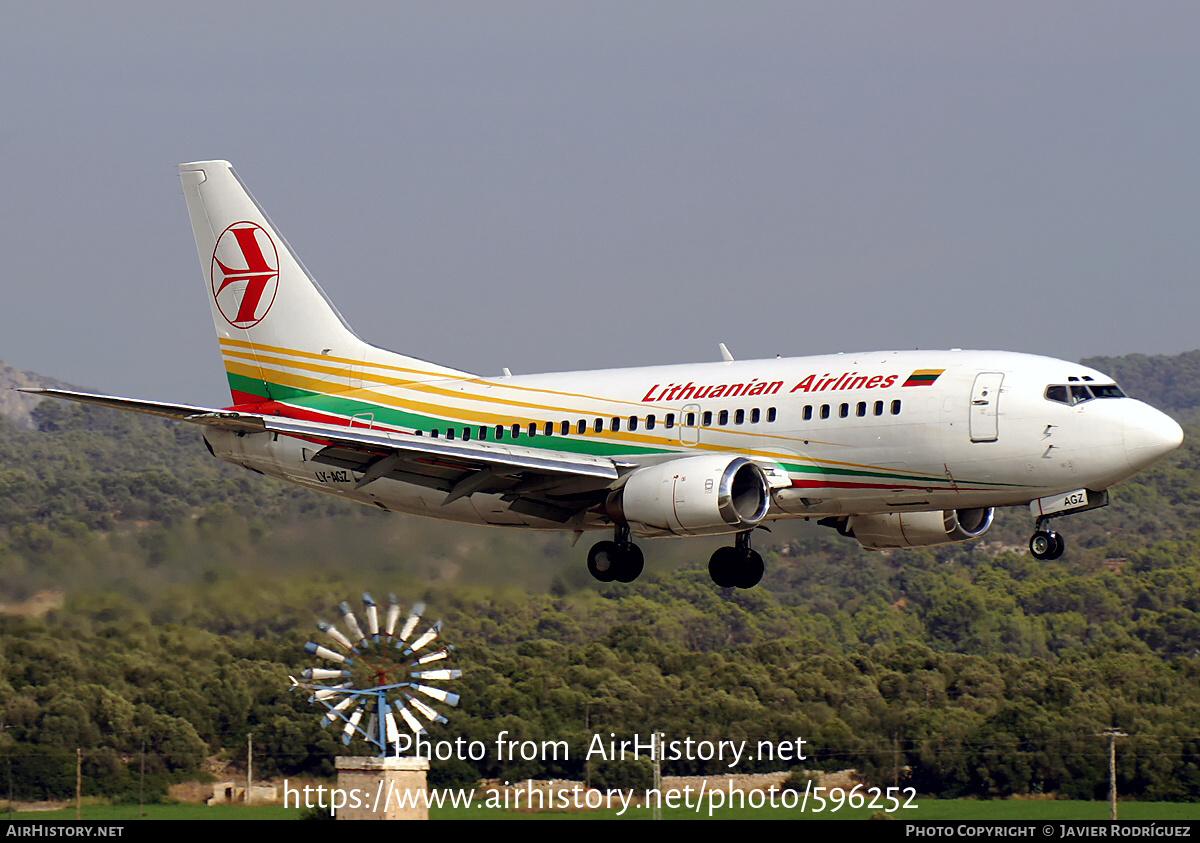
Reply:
x=563, y=185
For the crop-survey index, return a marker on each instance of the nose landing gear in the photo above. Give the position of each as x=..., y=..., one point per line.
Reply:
x=737, y=567
x=619, y=560
x=1046, y=544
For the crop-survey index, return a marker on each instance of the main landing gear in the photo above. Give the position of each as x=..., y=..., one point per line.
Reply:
x=619, y=560
x=737, y=567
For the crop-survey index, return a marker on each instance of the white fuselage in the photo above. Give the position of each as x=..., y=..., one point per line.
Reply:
x=844, y=434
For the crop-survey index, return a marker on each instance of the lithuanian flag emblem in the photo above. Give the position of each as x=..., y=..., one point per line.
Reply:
x=923, y=377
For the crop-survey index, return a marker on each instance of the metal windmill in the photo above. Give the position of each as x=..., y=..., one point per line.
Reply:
x=381, y=673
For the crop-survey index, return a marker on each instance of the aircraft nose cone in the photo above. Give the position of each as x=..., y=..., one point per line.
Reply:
x=1150, y=436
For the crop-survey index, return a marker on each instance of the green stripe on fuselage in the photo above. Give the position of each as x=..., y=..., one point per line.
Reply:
x=338, y=405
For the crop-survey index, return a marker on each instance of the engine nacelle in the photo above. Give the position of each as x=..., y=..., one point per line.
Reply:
x=692, y=496
x=919, y=529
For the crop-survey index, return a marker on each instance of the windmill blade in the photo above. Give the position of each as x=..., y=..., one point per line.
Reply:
x=372, y=732
x=325, y=693
x=414, y=725
x=390, y=727
x=443, y=653
x=336, y=634
x=372, y=617
x=430, y=635
x=437, y=694
x=393, y=615
x=351, y=724
x=434, y=675
x=350, y=621
x=335, y=711
x=322, y=674
x=426, y=711
x=314, y=649
x=414, y=617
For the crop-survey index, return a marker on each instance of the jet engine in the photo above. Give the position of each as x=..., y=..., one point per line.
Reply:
x=919, y=529
x=692, y=496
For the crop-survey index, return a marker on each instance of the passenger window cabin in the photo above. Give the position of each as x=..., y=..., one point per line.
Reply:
x=1065, y=394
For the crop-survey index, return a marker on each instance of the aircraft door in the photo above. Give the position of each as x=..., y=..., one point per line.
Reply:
x=985, y=406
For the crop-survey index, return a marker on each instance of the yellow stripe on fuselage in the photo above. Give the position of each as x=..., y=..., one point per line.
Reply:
x=429, y=376
x=471, y=416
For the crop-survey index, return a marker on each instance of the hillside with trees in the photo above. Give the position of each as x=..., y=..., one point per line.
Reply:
x=188, y=588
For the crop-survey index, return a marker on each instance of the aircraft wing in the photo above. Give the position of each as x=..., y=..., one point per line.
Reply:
x=542, y=482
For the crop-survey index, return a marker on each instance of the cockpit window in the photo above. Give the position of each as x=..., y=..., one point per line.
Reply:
x=1077, y=393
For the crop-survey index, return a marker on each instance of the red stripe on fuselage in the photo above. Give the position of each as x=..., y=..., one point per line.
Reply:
x=290, y=411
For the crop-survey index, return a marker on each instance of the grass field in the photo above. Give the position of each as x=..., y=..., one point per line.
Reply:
x=932, y=809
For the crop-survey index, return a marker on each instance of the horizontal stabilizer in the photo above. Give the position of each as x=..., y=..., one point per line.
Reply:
x=503, y=458
x=179, y=412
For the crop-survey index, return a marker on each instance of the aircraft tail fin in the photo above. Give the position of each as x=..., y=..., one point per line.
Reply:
x=280, y=336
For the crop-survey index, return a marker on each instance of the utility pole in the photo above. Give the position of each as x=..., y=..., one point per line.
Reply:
x=895, y=759
x=142, y=782
x=249, y=767
x=658, y=759
x=78, y=781
x=1112, y=735
x=587, y=730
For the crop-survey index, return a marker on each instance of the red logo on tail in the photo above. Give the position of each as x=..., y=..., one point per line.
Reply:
x=245, y=274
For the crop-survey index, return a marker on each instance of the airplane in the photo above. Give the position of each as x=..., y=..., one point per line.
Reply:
x=891, y=448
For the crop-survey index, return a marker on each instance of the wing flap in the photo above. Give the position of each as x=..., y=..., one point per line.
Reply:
x=465, y=455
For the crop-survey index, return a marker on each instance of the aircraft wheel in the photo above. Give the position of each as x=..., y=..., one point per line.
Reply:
x=604, y=561
x=1043, y=544
x=1059, y=545
x=750, y=570
x=723, y=567
x=631, y=562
